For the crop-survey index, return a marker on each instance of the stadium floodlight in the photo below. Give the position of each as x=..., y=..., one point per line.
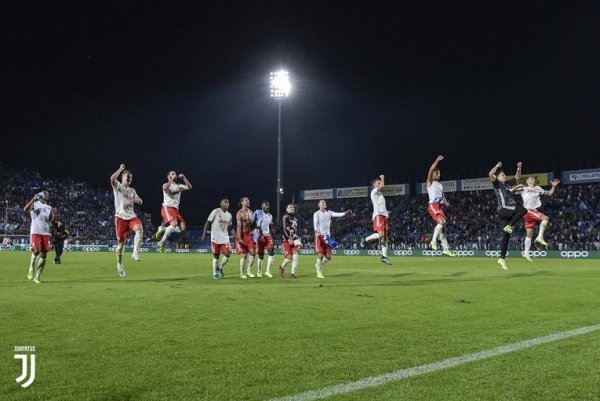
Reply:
x=280, y=84
x=280, y=90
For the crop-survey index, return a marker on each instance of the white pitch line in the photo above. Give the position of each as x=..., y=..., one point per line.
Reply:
x=374, y=381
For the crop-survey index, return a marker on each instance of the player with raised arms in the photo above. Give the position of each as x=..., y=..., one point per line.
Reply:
x=170, y=207
x=125, y=218
x=244, y=242
x=42, y=215
x=435, y=189
x=380, y=218
x=323, y=241
x=531, y=194
x=509, y=211
x=219, y=221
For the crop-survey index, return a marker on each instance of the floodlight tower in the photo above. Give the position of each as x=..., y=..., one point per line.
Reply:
x=280, y=90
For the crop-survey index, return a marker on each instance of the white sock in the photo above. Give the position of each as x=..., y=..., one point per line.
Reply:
x=285, y=262
x=444, y=239
x=242, y=264
x=543, y=226
x=214, y=265
x=436, y=232
x=177, y=229
x=224, y=261
x=384, y=250
x=269, y=263
x=323, y=261
x=119, y=253
x=259, y=264
x=40, y=267
x=250, y=263
x=372, y=237
x=527, y=245
x=137, y=241
x=32, y=262
x=319, y=265
x=168, y=232
x=294, y=263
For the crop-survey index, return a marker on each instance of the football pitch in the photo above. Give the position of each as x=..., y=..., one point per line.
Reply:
x=168, y=331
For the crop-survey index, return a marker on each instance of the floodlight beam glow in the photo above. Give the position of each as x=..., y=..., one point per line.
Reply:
x=280, y=84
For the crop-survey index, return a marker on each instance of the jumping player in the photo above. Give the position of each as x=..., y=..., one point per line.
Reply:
x=380, y=218
x=219, y=221
x=243, y=239
x=125, y=218
x=41, y=215
x=531, y=201
x=263, y=221
x=291, y=241
x=170, y=207
x=323, y=240
x=509, y=211
x=435, y=189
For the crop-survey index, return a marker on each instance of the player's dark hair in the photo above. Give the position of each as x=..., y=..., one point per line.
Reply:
x=499, y=171
x=223, y=198
x=375, y=179
x=241, y=199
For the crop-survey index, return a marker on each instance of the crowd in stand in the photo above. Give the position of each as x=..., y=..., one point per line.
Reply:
x=471, y=217
x=88, y=212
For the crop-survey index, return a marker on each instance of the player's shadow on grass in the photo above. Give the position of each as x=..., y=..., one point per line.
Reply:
x=532, y=273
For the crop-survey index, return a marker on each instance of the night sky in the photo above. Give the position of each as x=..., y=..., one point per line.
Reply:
x=378, y=88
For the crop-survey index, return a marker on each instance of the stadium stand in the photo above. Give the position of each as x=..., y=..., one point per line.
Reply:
x=88, y=212
x=574, y=216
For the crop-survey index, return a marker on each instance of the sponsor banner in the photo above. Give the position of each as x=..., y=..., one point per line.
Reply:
x=492, y=254
x=449, y=186
x=541, y=178
x=581, y=176
x=484, y=183
x=475, y=184
x=316, y=194
x=352, y=192
x=395, y=190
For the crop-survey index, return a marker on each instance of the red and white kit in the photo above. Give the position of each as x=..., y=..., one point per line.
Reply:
x=531, y=202
x=219, y=237
x=322, y=224
x=170, y=206
x=380, y=212
x=40, y=227
x=436, y=196
x=125, y=218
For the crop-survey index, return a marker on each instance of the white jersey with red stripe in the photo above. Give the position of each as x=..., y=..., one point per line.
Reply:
x=531, y=197
x=322, y=221
x=436, y=192
x=40, y=218
x=220, y=221
x=172, y=196
x=124, y=198
x=379, y=207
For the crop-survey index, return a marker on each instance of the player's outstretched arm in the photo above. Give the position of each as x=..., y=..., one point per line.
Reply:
x=115, y=175
x=554, y=183
x=382, y=179
x=238, y=233
x=432, y=168
x=138, y=200
x=518, y=173
x=203, y=237
x=29, y=204
x=187, y=185
x=492, y=173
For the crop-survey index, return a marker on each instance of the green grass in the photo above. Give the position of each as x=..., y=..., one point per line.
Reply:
x=170, y=332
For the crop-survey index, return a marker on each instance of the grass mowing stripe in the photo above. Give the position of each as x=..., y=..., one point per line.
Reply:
x=374, y=381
